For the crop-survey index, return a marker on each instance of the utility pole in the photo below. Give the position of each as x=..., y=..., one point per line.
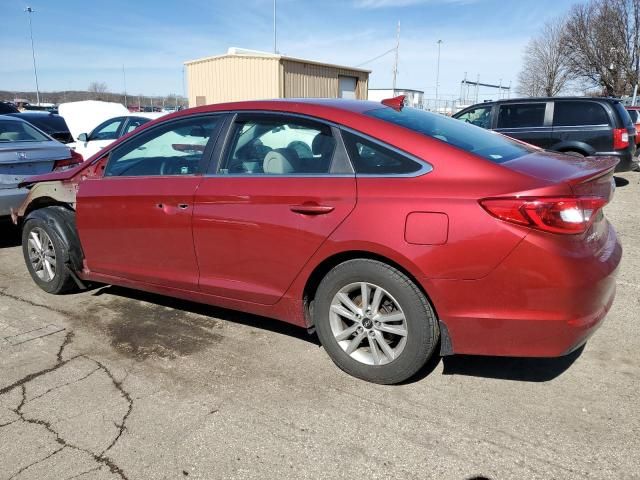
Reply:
x=30, y=10
x=275, y=36
x=439, y=42
x=124, y=81
x=395, y=64
x=477, y=87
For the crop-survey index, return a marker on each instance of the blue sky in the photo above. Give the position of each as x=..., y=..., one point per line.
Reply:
x=80, y=41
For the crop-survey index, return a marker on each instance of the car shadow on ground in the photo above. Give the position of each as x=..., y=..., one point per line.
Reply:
x=501, y=368
x=9, y=234
x=510, y=368
x=205, y=310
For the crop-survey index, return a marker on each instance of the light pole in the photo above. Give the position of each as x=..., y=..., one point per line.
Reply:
x=439, y=42
x=30, y=10
x=275, y=37
x=124, y=81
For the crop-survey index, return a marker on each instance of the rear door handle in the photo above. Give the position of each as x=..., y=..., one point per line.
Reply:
x=312, y=209
x=170, y=209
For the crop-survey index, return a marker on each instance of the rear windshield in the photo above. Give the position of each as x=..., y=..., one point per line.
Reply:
x=476, y=140
x=624, y=115
x=16, y=131
x=48, y=123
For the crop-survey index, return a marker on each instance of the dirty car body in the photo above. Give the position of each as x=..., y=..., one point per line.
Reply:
x=385, y=228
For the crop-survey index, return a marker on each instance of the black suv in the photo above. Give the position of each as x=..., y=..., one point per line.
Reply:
x=573, y=125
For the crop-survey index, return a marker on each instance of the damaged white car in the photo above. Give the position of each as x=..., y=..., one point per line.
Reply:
x=96, y=124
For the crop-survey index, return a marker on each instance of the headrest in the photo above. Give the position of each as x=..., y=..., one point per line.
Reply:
x=280, y=161
x=322, y=144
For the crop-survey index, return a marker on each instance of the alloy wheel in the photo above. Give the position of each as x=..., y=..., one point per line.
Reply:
x=42, y=254
x=368, y=323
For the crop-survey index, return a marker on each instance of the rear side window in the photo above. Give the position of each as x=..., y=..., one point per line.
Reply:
x=484, y=143
x=279, y=146
x=374, y=159
x=523, y=115
x=566, y=114
x=17, y=131
x=634, y=115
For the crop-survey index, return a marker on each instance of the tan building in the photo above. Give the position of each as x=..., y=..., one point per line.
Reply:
x=251, y=75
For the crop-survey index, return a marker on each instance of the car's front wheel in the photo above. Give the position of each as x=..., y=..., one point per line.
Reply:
x=374, y=322
x=46, y=256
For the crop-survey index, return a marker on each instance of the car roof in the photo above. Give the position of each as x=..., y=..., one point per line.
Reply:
x=546, y=99
x=332, y=109
x=12, y=117
x=34, y=114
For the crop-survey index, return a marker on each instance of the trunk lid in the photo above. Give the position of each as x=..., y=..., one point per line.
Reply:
x=585, y=175
x=19, y=160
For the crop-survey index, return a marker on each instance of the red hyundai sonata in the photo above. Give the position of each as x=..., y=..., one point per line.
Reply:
x=389, y=230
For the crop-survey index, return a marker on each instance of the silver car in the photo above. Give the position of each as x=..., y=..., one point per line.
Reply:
x=26, y=151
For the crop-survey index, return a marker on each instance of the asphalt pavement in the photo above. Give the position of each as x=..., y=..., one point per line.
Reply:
x=116, y=384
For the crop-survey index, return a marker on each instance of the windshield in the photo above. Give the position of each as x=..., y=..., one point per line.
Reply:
x=476, y=140
x=16, y=131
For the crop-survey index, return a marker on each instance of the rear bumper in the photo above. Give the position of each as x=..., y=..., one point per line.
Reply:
x=11, y=198
x=537, y=303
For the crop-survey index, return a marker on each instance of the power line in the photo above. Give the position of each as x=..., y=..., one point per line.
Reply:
x=376, y=58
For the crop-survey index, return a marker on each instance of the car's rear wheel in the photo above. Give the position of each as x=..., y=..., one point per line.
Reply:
x=374, y=322
x=46, y=257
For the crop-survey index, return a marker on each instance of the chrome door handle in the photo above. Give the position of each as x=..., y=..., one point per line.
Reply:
x=183, y=206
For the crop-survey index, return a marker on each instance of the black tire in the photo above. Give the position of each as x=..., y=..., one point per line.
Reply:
x=62, y=281
x=422, y=330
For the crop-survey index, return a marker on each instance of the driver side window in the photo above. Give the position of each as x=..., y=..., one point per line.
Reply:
x=173, y=149
x=480, y=117
x=107, y=131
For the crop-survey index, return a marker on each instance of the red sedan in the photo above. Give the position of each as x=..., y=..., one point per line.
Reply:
x=391, y=231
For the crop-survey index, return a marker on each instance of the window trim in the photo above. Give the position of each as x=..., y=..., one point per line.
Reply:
x=204, y=160
x=340, y=154
x=425, y=167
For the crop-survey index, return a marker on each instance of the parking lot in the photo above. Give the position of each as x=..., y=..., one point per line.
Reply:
x=114, y=383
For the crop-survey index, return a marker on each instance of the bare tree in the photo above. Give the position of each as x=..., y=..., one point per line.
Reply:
x=602, y=42
x=97, y=90
x=545, y=69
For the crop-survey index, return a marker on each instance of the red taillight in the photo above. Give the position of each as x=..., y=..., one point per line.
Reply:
x=568, y=215
x=620, y=138
x=74, y=160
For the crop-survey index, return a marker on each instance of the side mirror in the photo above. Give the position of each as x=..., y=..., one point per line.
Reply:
x=83, y=137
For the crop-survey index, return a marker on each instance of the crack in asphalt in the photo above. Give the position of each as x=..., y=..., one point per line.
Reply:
x=122, y=426
x=19, y=472
x=100, y=458
x=3, y=293
x=84, y=473
x=65, y=384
